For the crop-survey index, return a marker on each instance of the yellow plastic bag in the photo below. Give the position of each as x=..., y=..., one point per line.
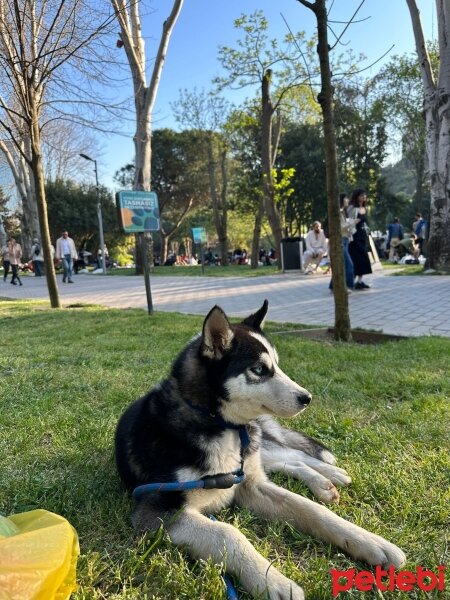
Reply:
x=38, y=556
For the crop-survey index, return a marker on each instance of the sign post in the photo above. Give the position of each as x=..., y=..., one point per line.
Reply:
x=199, y=235
x=139, y=213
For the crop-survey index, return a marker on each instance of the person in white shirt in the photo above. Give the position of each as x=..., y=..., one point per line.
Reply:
x=316, y=247
x=66, y=253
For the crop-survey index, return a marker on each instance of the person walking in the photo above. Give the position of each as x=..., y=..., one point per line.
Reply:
x=6, y=263
x=347, y=226
x=66, y=253
x=358, y=246
x=37, y=258
x=15, y=254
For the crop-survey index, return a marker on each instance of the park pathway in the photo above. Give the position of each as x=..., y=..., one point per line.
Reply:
x=406, y=305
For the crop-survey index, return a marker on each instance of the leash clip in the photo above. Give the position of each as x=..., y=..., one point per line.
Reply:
x=222, y=481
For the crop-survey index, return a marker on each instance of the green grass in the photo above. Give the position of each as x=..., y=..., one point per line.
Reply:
x=67, y=376
x=213, y=271
x=399, y=270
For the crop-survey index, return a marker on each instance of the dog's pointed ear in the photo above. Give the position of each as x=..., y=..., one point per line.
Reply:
x=256, y=320
x=217, y=334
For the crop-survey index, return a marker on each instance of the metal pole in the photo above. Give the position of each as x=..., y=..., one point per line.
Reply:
x=99, y=212
x=100, y=220
x=202, y=257
x=148, y=290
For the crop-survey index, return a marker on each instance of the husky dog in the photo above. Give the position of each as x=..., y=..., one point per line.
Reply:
x=210, y=421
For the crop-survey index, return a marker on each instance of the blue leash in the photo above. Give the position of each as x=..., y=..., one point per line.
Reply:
x=230, y=589
x=208, y=482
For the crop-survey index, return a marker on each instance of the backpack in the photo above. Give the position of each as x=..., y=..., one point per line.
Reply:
x=37, y=249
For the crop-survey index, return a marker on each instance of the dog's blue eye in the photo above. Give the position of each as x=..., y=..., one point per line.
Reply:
x=258, y=370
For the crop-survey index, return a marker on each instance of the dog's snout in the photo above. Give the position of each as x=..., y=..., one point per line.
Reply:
x=304, y=399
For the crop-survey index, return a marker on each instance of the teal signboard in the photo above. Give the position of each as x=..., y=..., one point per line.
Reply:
x=139, y=211
x=199, y=235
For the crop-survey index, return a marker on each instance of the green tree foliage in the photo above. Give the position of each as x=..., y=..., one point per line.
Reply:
x=361, y=132
x=244, y=133
x=73, y=207
x=276, y=68
x=301, y=148
x=401, y=89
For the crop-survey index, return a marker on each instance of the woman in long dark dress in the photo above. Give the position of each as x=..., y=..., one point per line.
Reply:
x=358, y=246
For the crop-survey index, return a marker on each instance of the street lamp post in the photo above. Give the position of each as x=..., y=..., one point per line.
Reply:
x=99, y=213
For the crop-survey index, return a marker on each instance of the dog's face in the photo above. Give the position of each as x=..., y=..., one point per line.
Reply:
x=252, y=382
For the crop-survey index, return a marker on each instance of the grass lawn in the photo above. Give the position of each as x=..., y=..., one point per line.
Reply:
x=399, y=270
x=67, y=375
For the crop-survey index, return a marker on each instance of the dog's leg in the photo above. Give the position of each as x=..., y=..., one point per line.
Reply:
x=320, y=486
x=320, y=477
x=275, y=503
x=272, y=431
x=204, y=538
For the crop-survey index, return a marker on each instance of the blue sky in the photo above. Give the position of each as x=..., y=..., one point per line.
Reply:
x=204, y=25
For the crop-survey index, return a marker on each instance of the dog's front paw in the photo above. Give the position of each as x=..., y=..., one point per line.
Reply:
x=335, y=474
x=378, y=551
x=326, y=492
x=280, y=587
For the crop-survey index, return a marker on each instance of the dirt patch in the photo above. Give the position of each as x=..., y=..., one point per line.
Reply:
x=359, y=336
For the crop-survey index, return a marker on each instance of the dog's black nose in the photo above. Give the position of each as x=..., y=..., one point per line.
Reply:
x=304, y=399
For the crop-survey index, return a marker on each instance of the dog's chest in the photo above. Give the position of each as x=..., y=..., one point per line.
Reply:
x=221, y=455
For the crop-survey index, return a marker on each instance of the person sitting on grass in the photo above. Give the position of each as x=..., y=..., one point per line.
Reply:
x=408, y=245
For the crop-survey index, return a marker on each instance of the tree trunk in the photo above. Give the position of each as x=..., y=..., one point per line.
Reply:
x=38, y=176
x=164, y=246
x=218, y=201
x=3, y=238
x=437, y=117
x=267, y=159
x=419, y=165
x=30, y=224
x=131, y=35
x=142, y=161
x=223, y=239
x=257, y=235
x=342, y=329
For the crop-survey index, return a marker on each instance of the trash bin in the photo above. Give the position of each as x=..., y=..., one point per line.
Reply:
x=292, y=254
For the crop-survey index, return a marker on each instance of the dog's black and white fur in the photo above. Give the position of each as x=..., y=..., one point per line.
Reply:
x=184, y=429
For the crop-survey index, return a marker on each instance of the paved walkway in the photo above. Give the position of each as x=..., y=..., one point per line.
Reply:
x=407, y=305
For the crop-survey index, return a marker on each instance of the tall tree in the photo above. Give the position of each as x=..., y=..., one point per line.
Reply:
x=436, y=85
x=244, y=133
x=179, y=178
x=260, y=61
x=132, y=40
x=400, y=84
x=23, y=179
x=341, y=315
x=43, y=46
x=208, y=113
